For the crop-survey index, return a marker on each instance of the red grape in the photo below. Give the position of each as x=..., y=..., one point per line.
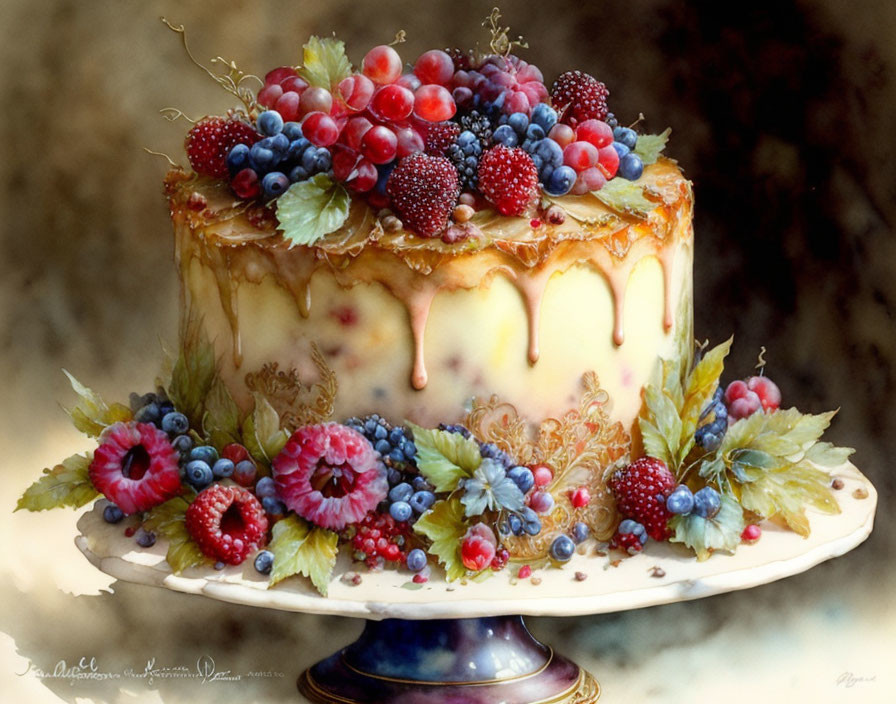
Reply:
x=294, y=83
x=382, y=65
x=269, y=95
x=356, y=91
x=365, y=178
x=768, y=392
x=320, y=129
x=277, y=75
x=316, y=99
x=434, y=103
x=379, y=144
x=434, y=66
x=599, y=133
x=393, y=103
x=354, y=131
x=288, y=106
x=591, y=179
x=562, y=134
x=462, y=96
x=409, y=141
x=344, y=162
x=410, y=81
x=517, y=101
x=580, y=155
x=608, y=160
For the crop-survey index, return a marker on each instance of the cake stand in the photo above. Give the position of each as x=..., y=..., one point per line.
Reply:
x=466, y=642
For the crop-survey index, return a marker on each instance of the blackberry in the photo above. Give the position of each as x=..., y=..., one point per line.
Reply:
x=455, y=428
x=392, y=442
x=479, y=124
x=713, y=423
x=464, y=156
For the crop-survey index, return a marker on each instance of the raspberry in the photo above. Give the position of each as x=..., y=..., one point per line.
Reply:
x=641, y=490
x=627, y=542
x=508, y=179
x=211, y=139
x=135, y=467
x=440, y=136
x=424, y=191
x=579, y=97
x=330, y=475
x=227, y=522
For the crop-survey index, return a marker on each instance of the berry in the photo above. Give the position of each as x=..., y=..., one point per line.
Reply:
x=579, y=97
x=508, y=179
x=424, y=191
x=741, y=401
x=379, y=144
x=266, y=487
x=356, y=91
x=563, y=548
x=223, y=468
x=237, y=159
x=206, y=453
x=382, y=65
x=288, y=106
x=416, y=560
x=544, y=116
x=531, y=521
x=112, y=514
x=269, y=123
x=525, y=572
x=273, y=506
x=626, y=136
x=320, y=129
x=506, y=135
x=631, y=167
x=580, y=498
x=379, y=537
x=393, y=443
x=464, y=154
x=145, y=539
x=596, y=132
x=562, y=134
x=542, y=474
x=274, y=184
x=292, y=131
x=560, y=181
x=183, y=444
x=316, y=99
x=440, y=136
x=681, y=500
x=401, y=492
x=751, y=533
x=641, y=490
x=434, y=103
x=580, y=155
x=199, y=474
x=478, y=547
x=135, y=467
x=434, y=66
x=245, y=184
x=608, y=162
x=500, y=560
x=507, y=84
x=713, y=423
x=707, y=502
x=264, y=562
x=621, y=149
x=522, y=477
x=580, y=532
x=175, y=423
x=630, y=537
x=591, y=179
x=209, y=142
x=330, y=475
x=768, y=392
x=227, y=522
x=392, y=103
x=422, y=501
x=244, y=473
x=541, y=502
x=401, y=511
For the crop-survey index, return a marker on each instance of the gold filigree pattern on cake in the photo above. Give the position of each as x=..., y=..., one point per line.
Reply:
x=296, y=402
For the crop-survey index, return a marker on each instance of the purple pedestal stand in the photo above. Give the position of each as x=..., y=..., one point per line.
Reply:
x=488, y=660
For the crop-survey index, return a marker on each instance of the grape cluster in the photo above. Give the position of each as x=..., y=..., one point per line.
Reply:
x=501, y=84
x=713, y=423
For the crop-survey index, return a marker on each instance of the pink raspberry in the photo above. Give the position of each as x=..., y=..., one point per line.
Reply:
x=135, y=467
x=227, y=522
x=478, y=547
x=330, y=475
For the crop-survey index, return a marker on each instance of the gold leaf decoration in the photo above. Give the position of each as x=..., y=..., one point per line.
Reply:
x=297, y=403
x=580, y=447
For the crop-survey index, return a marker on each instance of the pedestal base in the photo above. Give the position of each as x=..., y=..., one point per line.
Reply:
x=474, y=661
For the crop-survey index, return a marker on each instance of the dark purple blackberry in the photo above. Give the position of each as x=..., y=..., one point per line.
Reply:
x=464, y=155
x=392, y=442
x=480, y=125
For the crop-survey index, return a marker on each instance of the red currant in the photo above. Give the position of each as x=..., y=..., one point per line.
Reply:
x=768, y=392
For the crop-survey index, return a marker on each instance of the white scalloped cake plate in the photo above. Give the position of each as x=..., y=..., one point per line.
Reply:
x=611, y=584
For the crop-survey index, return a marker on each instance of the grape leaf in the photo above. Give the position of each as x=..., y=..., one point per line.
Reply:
x=650, y=146
x=324, y=62
x=311, y=209
x=660, y=426
x=194, y=371
x=261, y=431
x=169, y=520
x=91, y=415
x=66, y=484
x=445, y=458
x=444, y=525
x=705, y=535
x=625, y=197
x=824, y=454
x=300, y=549
x=221, y=420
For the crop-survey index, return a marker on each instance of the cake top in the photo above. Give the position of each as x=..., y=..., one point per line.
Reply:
x=463, y=148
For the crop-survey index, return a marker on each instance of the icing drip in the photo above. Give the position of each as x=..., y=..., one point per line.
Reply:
x=531, y=287
x=219, y=262
x=418, y=305
x=666, y=257
x=294, y=273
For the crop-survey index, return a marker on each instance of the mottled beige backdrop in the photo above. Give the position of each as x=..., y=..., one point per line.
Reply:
x=782, y=114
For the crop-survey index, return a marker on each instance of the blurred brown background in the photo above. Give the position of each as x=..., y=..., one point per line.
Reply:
x=782, y=115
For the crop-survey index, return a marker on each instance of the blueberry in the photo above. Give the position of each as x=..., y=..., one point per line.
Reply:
x=269, y=123
x=515, y=523
x=273, y=506
x=199, y=474
x=112, y=514
x=519, y=121
x=298, y=174
x=324, y=160
x=401, y=511
x=621, y=149
x=535, y=133
x=265, y=488
x=175, y=423
x=631, y=526
x=297, y=149
x=145, y=539
x=274, y=183
x=420, y=484
x=309, y=163
x=383, y=171
x=544, y=116
x=165, y=407
x=183, y=444
x=380, y=432
x=244, y=472
x=382, y=446
x=522, y=477
x=563, y=548
x=264, y=560
x=562, y=180
x=401, y=492
x=409, y=449
x=625, y=135
x=262, y=159
x=580, y=532
x=506, y=135
x=550, y=151
x=279, y=144
x=416, y=560
x=293, y=131
x=538, y=161
x=545, y=174
x=223, y=468
x=150, y=413
x=631, y=167
x=466, y=139
x=393, y=476
x=238, y=158
x=206, y=453
x=681, y=500
x=422, y=501
x=707, y=502
x=531, y=521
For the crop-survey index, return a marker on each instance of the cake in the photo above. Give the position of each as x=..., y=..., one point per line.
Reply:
x=440, y=319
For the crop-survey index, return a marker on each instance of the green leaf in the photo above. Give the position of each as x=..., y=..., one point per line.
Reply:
x=324, y=62
x=261, y=431
x=705, y=535
x=194, y=371
x=649, y=146
x=169, y=520
x=300, y=549
x=625, y=196
x=91, y=415
x=444, y=525
x=67, y=484
x=661, y=428
x=311, y=209
x=221, y=421
x=701, y=385
x=824, y=454
x=445, y=458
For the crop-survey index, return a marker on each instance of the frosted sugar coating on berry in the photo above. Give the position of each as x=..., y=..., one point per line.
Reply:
x=508, y=179
x=330, y=475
